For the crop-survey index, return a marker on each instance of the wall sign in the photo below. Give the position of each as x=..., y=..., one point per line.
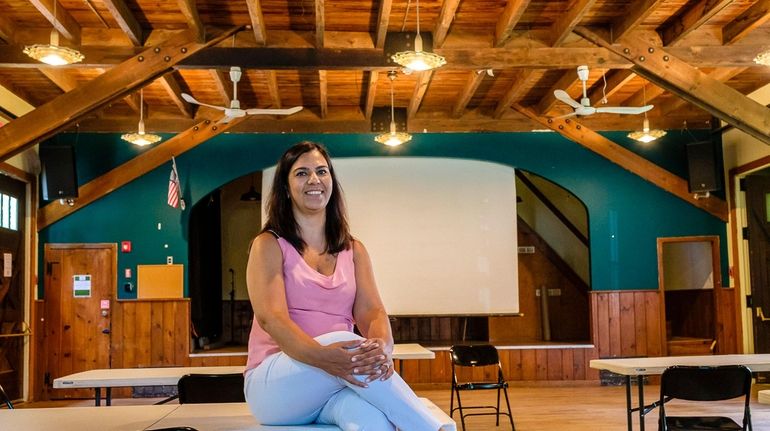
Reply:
x=81, y=286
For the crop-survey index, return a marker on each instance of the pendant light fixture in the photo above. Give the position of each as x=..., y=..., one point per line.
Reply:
x=252, y=195
x=392, y=138
x=141, y=138
x=763, y=58
x=646, y=135
x=52, y=53
x=418, y=59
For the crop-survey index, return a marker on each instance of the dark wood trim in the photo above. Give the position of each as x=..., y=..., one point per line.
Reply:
x=554, y=209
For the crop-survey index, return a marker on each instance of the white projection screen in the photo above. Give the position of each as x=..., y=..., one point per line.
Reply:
x=441, y=233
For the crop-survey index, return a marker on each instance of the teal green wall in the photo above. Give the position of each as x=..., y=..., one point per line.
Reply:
x=626, y=214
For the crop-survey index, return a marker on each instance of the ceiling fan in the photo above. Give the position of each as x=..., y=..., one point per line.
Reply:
x=584, y=108
x=235, y=111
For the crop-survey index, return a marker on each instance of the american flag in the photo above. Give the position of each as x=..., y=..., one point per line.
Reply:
x=174, y=189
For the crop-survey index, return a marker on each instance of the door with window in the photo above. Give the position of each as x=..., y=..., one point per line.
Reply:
x=758, y=217
x=13, y=328
x=79, y=283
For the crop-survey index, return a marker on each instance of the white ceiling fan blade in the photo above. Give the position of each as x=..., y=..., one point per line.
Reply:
x=191, y=99
x=287, y=111
x=624, y=109
x=564, y=97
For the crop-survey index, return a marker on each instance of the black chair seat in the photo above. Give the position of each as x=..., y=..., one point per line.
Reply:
x=481, y=385
x=690, y=423
x=211, y=388
x=478, y=356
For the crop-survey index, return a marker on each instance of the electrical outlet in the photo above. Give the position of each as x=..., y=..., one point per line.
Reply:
x=526, y=249
x=169, y=260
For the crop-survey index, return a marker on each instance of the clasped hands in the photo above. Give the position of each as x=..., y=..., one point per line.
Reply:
x=367, y=357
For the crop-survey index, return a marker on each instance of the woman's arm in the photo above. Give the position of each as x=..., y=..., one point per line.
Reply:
x=264, y=278
x=371, y=318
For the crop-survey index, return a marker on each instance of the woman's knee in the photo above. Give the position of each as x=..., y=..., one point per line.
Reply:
x=336, y=337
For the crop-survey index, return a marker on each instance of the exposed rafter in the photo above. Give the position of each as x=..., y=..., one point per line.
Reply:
x=322, y=93
x=47, y=119
x=628, y=160
x=563, y=26
x=722, y=75
x=445, y=18
x=272, y=88
x=257, y=21
x=637, y=12
x=673, y=74
x=61, y=77
x=134, y=168
x=750, y=19
x=222, y=85
x=371, y=94
x=320, y=23
x=616, y=79
x=474, y=80
x=508, y=20
x=63, y=22
x=567, y=80
x=126, y=20
x=423, y=80
x=691, y=19
x=190, y=11
x=7, y=30
x=171, y=85
x=383, y=18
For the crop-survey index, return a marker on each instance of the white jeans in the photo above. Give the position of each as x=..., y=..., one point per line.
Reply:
x=284, y=391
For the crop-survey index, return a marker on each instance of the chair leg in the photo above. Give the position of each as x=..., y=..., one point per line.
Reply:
x=460, y=407
x=508, y=404
x=452, y=401
x=497, y=409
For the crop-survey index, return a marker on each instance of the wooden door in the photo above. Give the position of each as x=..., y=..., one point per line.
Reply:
x=757, y=201
x=79, y=278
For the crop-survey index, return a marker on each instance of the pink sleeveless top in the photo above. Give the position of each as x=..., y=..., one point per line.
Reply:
x=317, y=303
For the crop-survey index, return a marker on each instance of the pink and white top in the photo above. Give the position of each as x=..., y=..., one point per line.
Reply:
x=317, y=303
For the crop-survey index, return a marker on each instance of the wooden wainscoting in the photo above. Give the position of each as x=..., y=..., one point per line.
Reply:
x=627, y=323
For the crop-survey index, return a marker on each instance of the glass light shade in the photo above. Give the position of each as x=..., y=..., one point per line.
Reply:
x=393, y=138
x=141, y=139
x=53, y=54
x=646, y=135
x=418, y=59
x=763, y=58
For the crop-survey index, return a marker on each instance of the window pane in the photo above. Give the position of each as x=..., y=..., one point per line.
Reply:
x=14, y=213
x=4, y=221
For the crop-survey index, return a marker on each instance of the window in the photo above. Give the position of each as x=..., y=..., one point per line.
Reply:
x=9, y=211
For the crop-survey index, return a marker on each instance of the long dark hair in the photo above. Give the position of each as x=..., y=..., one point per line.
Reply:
x=280, y=217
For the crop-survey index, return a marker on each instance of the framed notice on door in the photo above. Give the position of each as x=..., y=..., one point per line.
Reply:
x=81, y=286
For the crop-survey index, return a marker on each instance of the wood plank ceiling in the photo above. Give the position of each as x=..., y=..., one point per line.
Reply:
x=329, y=57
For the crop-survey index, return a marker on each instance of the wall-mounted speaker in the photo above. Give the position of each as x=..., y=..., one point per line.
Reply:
x=59, y=178
x=703, y=167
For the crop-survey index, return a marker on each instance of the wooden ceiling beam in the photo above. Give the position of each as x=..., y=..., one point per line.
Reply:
x=638, y=11
x=133, y=169
x=223, y=85
x=562, y=27
x=61, y=77
x=51, y=117
x=135, y=103
x=474, y=80
x=11, y=56
x=643, y=97
x=750, y=19
x=257, y=21
x=18, y=92
x=272, y=87
x=420, y=88
x=628, y=160
x=521, y=83
x=676, y=76
x=322, y=94
x=691, y=19
x=722, y=75
x=7, y=30
x=445, y=18
x=383, y=18
x=174, y=91
x=616, y=79
x=511, y=15
x=63, y=21
x=566, y=82
x=190, y=11
x=126, y=20
x=371, y=94
x=319, y=23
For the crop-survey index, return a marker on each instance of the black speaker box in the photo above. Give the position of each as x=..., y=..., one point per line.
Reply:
x=703, y=167
x=59, y=177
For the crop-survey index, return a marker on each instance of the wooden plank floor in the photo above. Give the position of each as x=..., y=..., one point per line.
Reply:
x=563, y=408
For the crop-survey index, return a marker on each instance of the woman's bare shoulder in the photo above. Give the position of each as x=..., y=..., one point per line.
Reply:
x=265, y=246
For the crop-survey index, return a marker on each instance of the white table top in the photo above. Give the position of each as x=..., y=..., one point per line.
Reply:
x=123, y=377
x=412, y=351
x=656, y=365
x=169, y=376
x=116, y=418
